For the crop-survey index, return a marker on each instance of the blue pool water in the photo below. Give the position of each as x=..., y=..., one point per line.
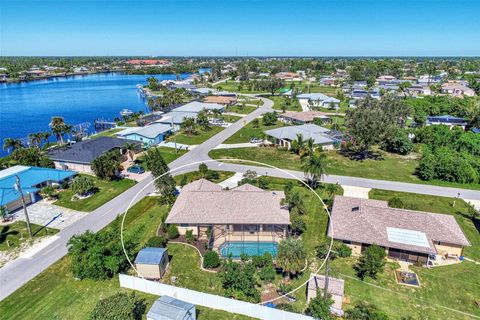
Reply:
x=27, y=107
x=251, y=248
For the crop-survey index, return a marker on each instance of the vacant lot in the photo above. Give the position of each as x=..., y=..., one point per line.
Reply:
x=248, y=132
x=200, y=136
x=14, y=234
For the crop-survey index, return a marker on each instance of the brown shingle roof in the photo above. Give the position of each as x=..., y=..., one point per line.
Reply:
x=368, y=224
x=204, y=202
x=219, y=99
x=306, y=116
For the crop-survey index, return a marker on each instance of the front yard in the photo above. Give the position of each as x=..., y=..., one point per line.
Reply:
x=197, y=138
x=107, y=190
x=248, y=132
x=14, y=234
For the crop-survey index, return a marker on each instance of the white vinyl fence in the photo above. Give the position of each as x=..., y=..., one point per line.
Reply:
x=208, y=300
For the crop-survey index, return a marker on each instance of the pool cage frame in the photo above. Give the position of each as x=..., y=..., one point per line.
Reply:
x=260, y=233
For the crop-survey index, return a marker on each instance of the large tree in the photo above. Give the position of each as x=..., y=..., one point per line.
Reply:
x=319, y=308
x=371, y=262
x=291, y=255
x=314, y=166
x=59, y=127
x=107, y=165
x=164, y=182
x=12, y=144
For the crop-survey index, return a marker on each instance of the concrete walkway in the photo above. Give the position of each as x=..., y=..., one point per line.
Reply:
x=232, y=182
x=355, y=192
x=304, y=105
x=237, y=145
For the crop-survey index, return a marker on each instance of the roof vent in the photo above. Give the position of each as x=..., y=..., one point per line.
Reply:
x=355, y=209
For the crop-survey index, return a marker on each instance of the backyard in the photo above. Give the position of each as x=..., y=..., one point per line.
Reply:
x=107, y=190
x=56, y=294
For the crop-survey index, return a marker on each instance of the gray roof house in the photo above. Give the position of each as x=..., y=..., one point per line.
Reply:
x=319, y=99
x=283, y=136
x=169, y=308
x=414, y=233
x=80, y=155
x=197, y=106
x=150, y=134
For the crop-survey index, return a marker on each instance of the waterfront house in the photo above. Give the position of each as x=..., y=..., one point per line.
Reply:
x=169, y=308
x=79, y=156
x=244, y=219
x=32, y=180
x=284, y=136
x=220, y=99
x=197, y=106
x=175, y=119
x=203, y=92
x=151, y=263
x=447, y=120
x=319, y=100
x=149, y=135
x=406, y=235
x=296, y=117
x=335, y=290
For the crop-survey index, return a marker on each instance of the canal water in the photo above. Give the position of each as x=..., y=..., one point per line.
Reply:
x=27, y=107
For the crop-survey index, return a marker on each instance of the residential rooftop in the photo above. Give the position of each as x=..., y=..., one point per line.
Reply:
x=307, y=131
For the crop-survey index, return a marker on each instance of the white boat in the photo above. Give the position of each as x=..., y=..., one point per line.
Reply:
x=126, y=112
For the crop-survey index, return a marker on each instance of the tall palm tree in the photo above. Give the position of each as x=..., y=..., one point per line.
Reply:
x=314, y=167
x=299, y=144
x=129, y=150
x=12, y=144
x=309, y=147
x=45, y=136
x=57, y=125
x=189, y=125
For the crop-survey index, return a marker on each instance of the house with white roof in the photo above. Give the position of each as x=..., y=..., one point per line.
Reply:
x=149, y=135
x=319, y=100
x=284, y=136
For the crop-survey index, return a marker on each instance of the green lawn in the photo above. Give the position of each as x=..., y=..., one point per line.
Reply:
x=168, y=154
x=194, y=139
x=390, y=167
x=232, y=86
x=55, y=294
x=107, y=133
x=278, y=101
x=248, y=132
x=238, y=108
x=107, y=190
x=195, y=175
x=14, y=234
x=456, y=207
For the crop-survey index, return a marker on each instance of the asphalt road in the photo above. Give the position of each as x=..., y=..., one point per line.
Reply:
x=18, y=272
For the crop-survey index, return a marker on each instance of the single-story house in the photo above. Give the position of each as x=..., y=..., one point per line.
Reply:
x=284, y=136
x=319, y=100
x=32, y=180
x=234, y=219
x=296, y=117
x=419, y=89
x=457, y=89
x=428, y=80
x=223, y=100
x=176, y=118
x=149, y=135
x=288, y=76
x=225, y=94
x=169, y=308
x=360, y=93
x=79, y=156
x=151, y=263
x=203, y=91
x=197, y=106
x=407, y=235
x=328, y=81
x=335, y=289
x=447, y=120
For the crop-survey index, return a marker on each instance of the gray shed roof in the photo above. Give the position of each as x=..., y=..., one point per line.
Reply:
x=150, y=255
x=317, y=133
x=168, y=308
x=88, y=150
x=151, y=131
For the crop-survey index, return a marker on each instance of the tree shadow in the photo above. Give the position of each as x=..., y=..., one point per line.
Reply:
x=360, y=156
x=5, y=232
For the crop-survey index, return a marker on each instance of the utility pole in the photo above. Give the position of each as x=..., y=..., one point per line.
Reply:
x=18, y=187
x=174, y=136
x=327, y=270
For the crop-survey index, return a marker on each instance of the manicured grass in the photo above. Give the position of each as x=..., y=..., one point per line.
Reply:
x=168, y=154
x=388, y=167
x=248, y=132
x=195, y=175
x=14, y=234
x=278, y=101
x=107, y=190
x=238, y=108
x=232, y=86
x=456, y=207
x=107, y=133
x=194, y=139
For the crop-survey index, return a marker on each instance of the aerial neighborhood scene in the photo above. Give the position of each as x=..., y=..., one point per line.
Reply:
x=208, y=160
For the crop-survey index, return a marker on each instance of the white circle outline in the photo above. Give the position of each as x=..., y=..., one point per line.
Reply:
x=240, y=160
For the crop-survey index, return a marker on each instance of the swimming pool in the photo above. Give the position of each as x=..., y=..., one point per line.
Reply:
x=251, y=248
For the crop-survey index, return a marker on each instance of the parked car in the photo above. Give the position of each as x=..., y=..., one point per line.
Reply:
x=256, y=140
x=136, y=169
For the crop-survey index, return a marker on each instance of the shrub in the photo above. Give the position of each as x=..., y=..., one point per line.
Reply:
x=398, y=142
x=82, y=185
x=189, y=236
x=120, y=306
x=298, y=225
x=396, y=202
x=157, y=241
x=365, y=311
x=264, y=260
x=371, y=262
x=48, y=192
x=107, y=165
x=172, y=231
x=319, y=308
x=339, y=250
x=269, y=118
x=212, y=175
x=211, y=260
x=267, y=273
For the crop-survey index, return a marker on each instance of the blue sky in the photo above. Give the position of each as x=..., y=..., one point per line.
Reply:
x=230, y=27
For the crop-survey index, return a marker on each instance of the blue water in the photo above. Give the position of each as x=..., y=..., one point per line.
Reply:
x=251, y=248
x=27, y=107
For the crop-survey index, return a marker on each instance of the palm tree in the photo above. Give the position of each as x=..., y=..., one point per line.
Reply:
x=309, y=147
x=188, y=125
x=129, y=150
x=314, y=167
x=291, y=255
x=57, y=125
x=12, y=144
x=299, y=145
x=45, y=136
